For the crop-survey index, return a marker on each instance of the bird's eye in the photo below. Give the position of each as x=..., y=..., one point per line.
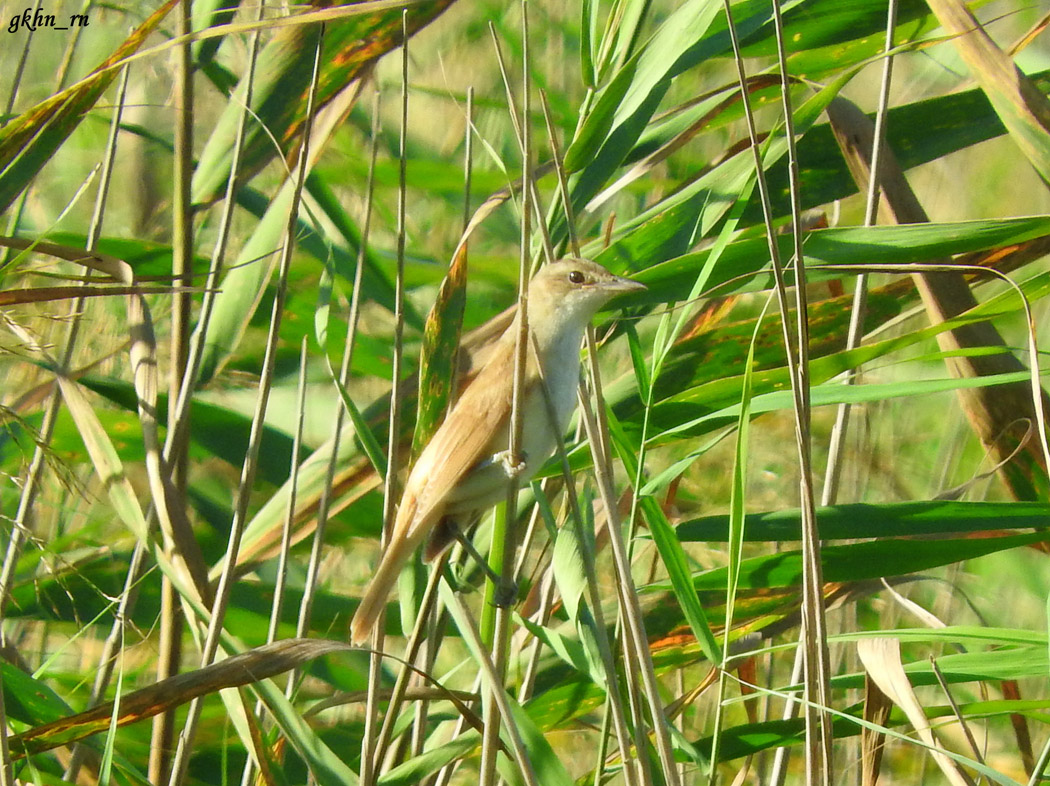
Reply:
x=576, y=277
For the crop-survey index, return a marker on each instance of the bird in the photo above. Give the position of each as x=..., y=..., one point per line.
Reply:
x=465, y=468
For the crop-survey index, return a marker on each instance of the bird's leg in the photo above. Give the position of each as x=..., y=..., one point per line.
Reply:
x=506, y=588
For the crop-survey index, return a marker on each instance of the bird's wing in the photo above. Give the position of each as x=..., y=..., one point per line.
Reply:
x=461, y=442
x=457, y=446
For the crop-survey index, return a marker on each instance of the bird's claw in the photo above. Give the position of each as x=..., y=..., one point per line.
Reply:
x=513, y=469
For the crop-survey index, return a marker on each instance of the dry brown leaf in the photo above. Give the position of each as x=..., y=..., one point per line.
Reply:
x=882, y=661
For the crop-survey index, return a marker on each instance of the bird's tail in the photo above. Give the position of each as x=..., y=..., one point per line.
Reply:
x=380, y=587
x=407, y=535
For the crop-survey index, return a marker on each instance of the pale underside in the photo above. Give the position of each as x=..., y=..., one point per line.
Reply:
x=462, y=471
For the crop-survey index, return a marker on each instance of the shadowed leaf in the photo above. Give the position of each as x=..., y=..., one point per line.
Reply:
x=859, y=520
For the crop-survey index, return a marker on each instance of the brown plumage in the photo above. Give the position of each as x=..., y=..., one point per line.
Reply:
x=459, y=472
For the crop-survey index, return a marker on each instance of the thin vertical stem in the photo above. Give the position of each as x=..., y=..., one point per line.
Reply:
x=833, y=469
x=616, y=708
x=211, y=643
x=416, y=639
x=390, y=489
x=819, y=739
x=468, y=158
x=368, y=747
x=528, y=183
x=137, y=570
x=855, y=331
x=636, y=641
x=429, y=643
x=796, y=348
x=22, y=524
x=394, y=434
x=504, y=534
x=15, y=218
x=182, y=240
x=286, y=531
x=136, y=567
x=833, y=472
x=314, y=565
x=423, y=638
x=171, y=622
x=498, y=697
x=563, y=182
x=177, y=423
x=71, y=47
x=23, y=521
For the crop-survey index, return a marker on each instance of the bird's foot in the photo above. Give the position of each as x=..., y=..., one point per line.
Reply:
x=512, y=468
x=506, y=587
x=506, y=593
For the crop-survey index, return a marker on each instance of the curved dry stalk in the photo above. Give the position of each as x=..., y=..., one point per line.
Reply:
x=993, y=413
x=186, y=563
x=1037, y=401
x=244, y=668
x=882, y=661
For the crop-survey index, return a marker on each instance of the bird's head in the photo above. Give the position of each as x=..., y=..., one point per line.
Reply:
x=574, y=290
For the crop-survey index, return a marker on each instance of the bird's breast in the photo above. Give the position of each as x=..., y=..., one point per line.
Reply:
x=486, y=484
x=561, y=369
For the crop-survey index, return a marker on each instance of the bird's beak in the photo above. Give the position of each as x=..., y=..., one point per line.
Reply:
x=622, y=286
